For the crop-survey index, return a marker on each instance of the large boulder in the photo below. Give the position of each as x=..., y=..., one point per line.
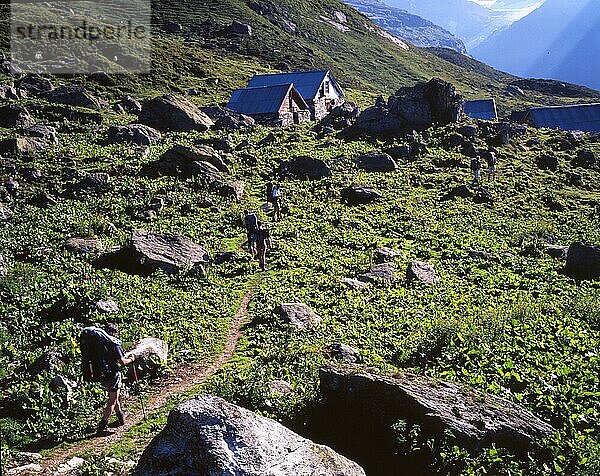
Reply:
x=8, y=91
x=41, y=131
x=585, y=158
x=340, y=117
x=297, y=314
x=180, y=157
x=233, y=121
x=411, y=108
x=379, y=273
x=23, y=145
x=476, y=419
x=148, y=252
x=422, y=272
x=208, y=436
x=138, y=134
x=304, y=167
x=376, y=162
x=80, y=245
x=583, y=261
x=128, y=105
x=360, y=194
x=72, y=95
x=174, y=113
x=34, y=85
x=5, y=213
x=14, y=115
x=150, y=354
x=547, y=162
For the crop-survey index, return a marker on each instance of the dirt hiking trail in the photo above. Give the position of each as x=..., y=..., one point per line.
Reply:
x=181, y=380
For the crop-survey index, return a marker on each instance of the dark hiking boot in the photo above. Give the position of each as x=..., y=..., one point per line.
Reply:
x=121, y=418
x=102, y=429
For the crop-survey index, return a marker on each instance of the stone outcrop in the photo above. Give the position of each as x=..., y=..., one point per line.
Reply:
x=174, y=113
x=148, y=252
x=476, y=419
x=583, y=261
x=209, y=436
x=410, y=108
x=376, y=162
x=297, y=314
x=138, y=134
x=304, y=167
x=360, y=194
x=422, y=272
x=72, y=95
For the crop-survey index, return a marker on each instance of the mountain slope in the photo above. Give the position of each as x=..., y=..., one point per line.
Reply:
x=412, y=28
x=557, y=41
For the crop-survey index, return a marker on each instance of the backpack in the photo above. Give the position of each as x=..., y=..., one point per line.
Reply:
x=95, y=345
x=475, y=164
x=269, y=192
x=251, y=221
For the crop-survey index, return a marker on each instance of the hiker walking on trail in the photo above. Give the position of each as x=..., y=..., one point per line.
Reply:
x=263, y=245
x=276, y=200
x=269, y=192
x=251, y=224
x=492, y=164
x=102, y=357
x=476, y=169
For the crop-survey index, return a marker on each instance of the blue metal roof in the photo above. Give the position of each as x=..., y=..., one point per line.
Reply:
x=481, y=109
x=579, y=117
x=306, y=82
x=262, y=100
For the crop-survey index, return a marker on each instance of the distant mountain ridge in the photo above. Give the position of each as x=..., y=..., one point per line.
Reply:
x=559, y=40
x=412, y=28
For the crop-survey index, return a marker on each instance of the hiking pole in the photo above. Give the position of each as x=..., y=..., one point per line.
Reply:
x=139, y=391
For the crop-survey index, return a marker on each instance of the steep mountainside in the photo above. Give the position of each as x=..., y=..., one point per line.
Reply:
x=470, y=22
x=556, y=41
x=412, y=28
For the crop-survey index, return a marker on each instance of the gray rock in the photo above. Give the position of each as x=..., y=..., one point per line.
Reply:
x=379, y=273
x=15, y=115
x=34, y=85
x=477, y=254
x=106, y=306
x=72, y=95
x=547, y=162
x=360, y=194
x=583, y=261
x=47, y=361
x=354, y=284
x=129, y=105
x=343, y=353
x=278, y=388
x=181, y=156
x=169, y=252
x=386, y=254
x=297, y=314
x=41, y=131
x=208, y=436
x=25, y=470
x=83, y=245
x=234, y=189
x=556, y=251
x=60, y=383
x=233, y=122
x=150, y=354
x=5, y=213
x=304, y=167
x=93, y=182
x=585, y=158
x=138, y=134
x=376, y=162
x=239, y=28
x=469, y=131
x=174, y=113
x=8, y=92
x=476, y=419
x=423, y=272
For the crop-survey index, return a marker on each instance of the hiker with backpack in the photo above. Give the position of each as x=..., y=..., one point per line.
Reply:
x=492, y=164
x=476, y=169
x=263, y=245
x=251, y=224
x=101, y=359
x=276, y=200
